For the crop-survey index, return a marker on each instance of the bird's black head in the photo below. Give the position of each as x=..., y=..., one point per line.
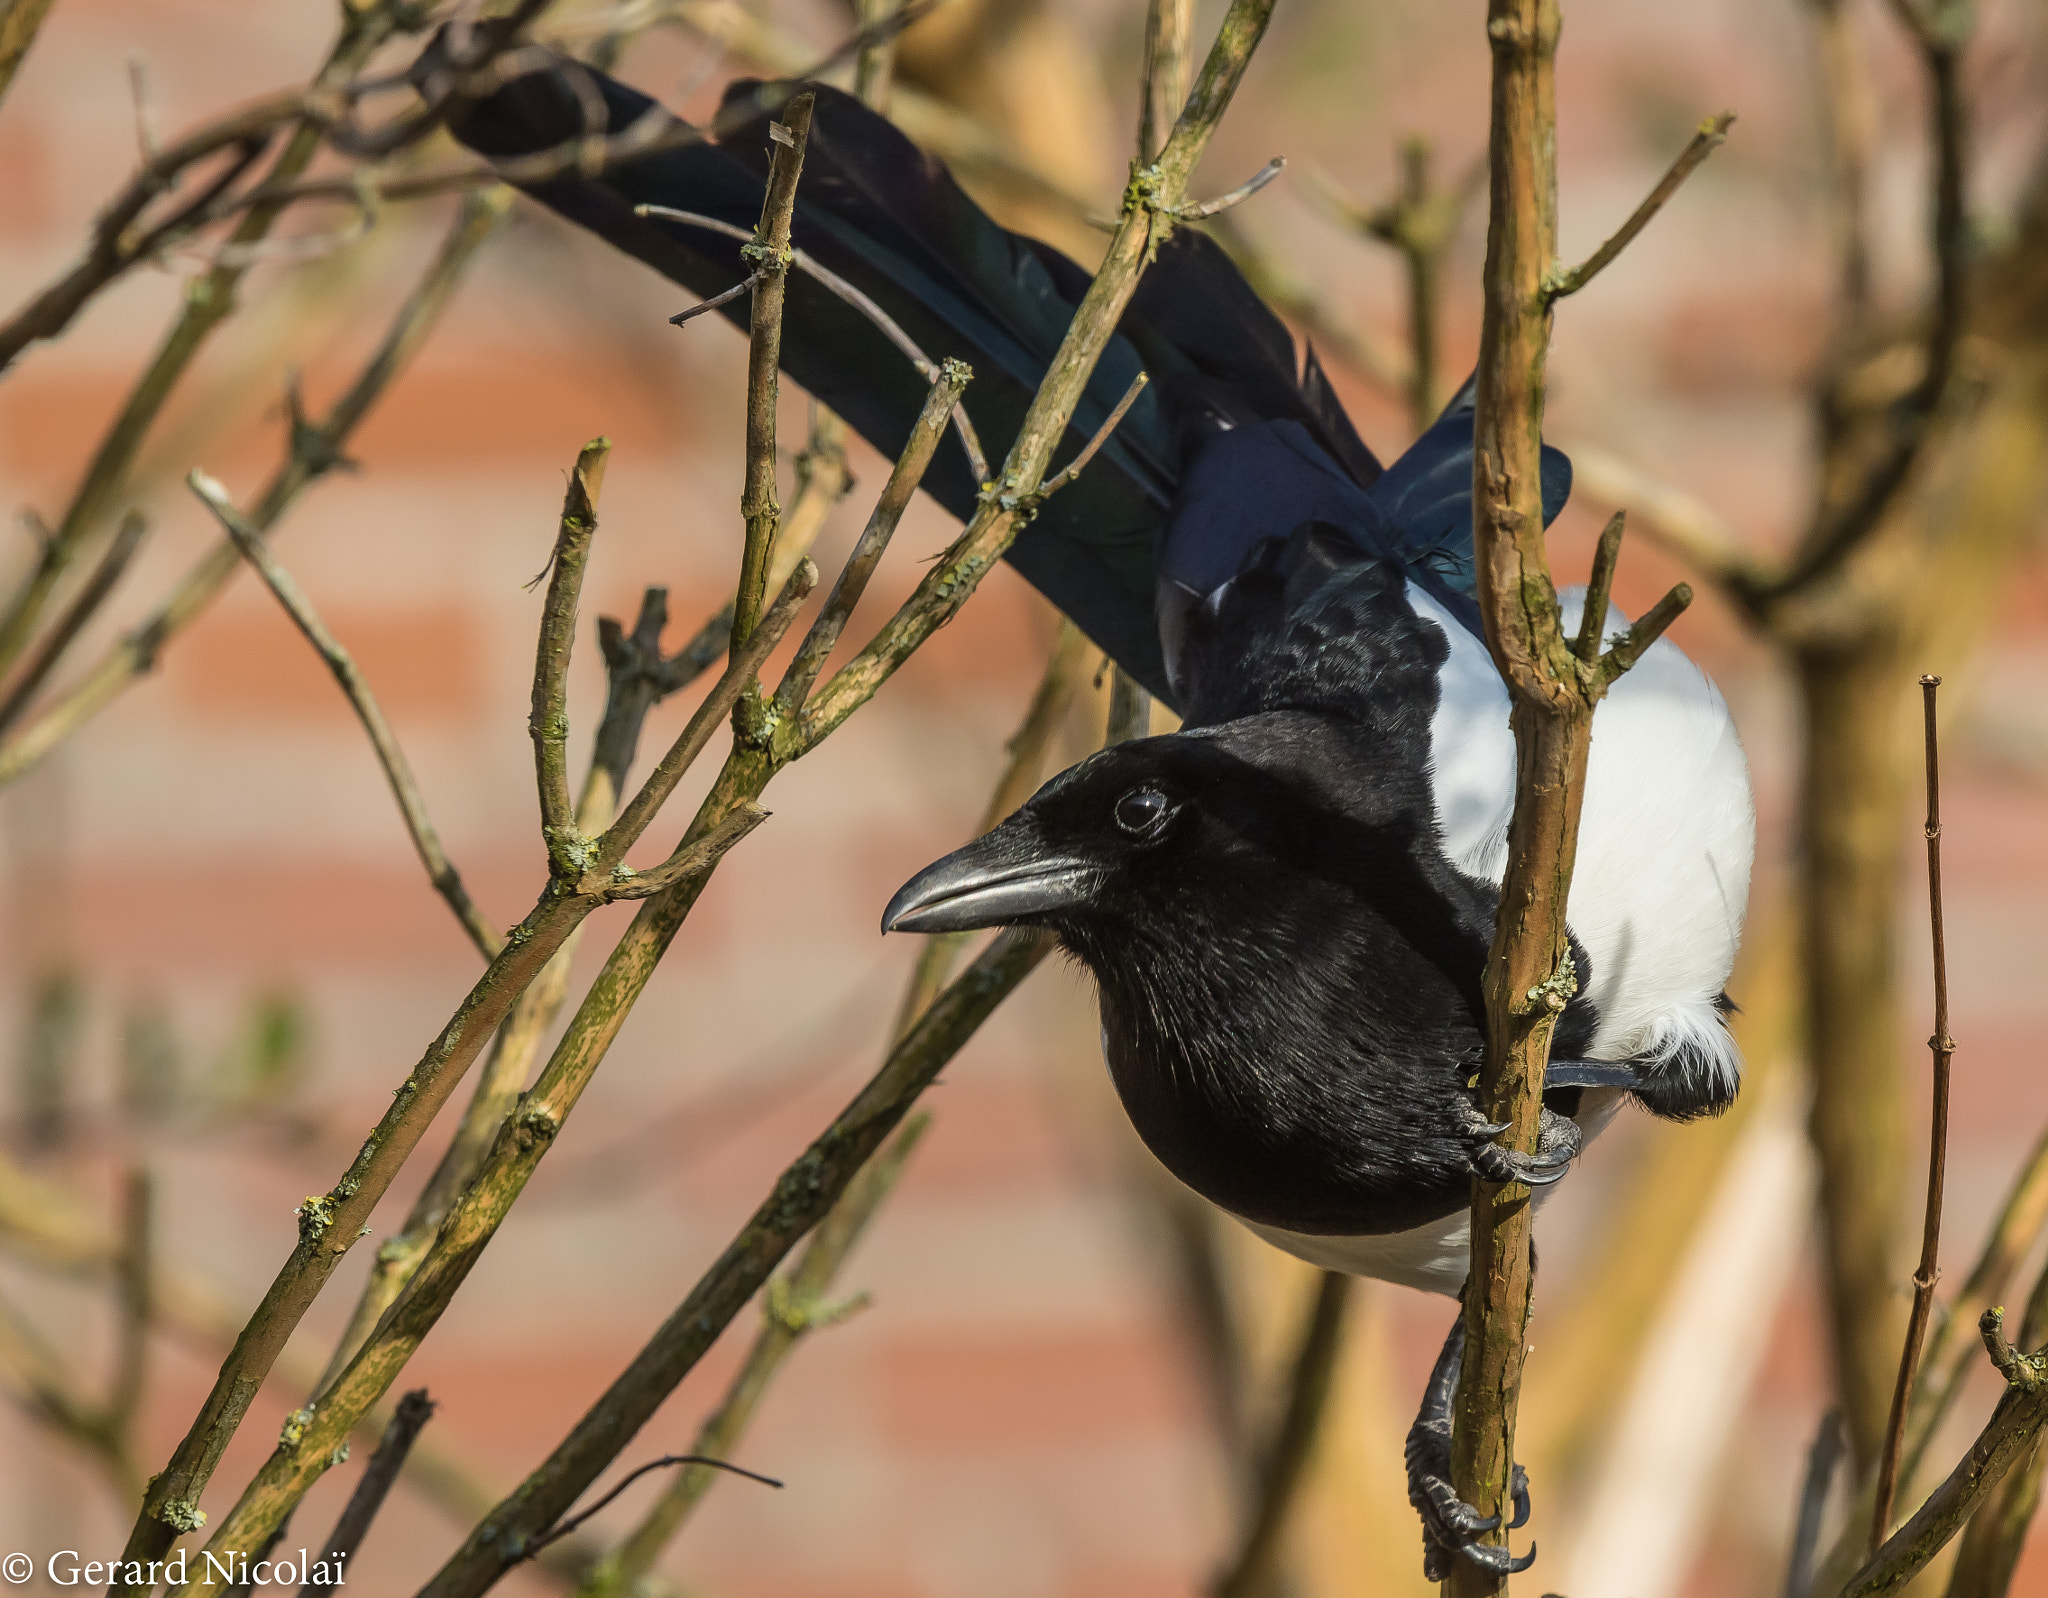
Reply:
x=1161, y=836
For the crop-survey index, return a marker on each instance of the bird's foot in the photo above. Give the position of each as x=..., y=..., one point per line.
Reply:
x=1558, y=1142
x=1451, y=1528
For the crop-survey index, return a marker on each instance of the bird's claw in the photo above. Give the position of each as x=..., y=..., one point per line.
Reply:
x=1558, y=1143
x=1451, y=1528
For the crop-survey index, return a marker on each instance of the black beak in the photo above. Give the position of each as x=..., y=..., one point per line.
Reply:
x=1002, y=877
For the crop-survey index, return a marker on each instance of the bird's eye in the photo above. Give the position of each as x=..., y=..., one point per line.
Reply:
x=1141, y=811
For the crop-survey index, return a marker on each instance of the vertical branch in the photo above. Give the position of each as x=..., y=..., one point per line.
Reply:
x=549, y=722
x=1944, y=1048
x=1169, y=34
x=769, y=256
x=1528, y=972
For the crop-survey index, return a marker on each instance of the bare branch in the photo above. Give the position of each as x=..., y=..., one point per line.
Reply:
x=407, y=1421
x=939, y=406
x=426, y=840
x=690, y=743
x=314, y=450
x=1237, y=196
x=1711, y=135
x=549, y=722
x=1944, y=1048
x=1606, y=556
x=827, y=278
x=1100, y=437
x=97, y=590
x=2008, y=1436
x=1169, y=38
x=702, y=1462
x=795, y=1307
x=1823, y=1463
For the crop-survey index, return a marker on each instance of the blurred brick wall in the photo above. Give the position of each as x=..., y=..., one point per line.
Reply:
x=1018, y=1414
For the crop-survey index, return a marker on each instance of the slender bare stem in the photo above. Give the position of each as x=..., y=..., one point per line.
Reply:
x=1599, y=588
x=398, y=773
x=137, y=1304
x=1712, y=133
x=549, y=723
x=1200, y=210
x=315, y=449
x=768, y=253
x=1823, y=1463
x=1944, y=1048
x=717, y=705
x=795, y=1306
x=50, y=649
x=2008, y=1437
x=895, y=498
x=346, y=1540
x=1169, y=38
x=828, y=279
x=1100, y=437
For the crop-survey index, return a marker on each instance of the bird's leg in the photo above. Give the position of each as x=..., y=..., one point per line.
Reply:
x=1558, y=1142
x=1450, y=1526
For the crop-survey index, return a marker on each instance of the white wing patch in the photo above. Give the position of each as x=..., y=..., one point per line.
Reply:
x=1665, y=839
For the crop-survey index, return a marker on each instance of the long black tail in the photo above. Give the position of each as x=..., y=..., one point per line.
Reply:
x=890, y=219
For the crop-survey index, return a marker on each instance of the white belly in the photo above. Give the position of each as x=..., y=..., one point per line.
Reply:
x=1433, y=1258
x=1665, y=839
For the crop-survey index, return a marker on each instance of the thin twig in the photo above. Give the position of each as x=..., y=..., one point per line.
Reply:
x=1599, y=587
x=1100, y=437
x=398, y=772
x=698, y=1461
x=799, y=1200
x=314, y=449
x=794, y=1306
x=1169, y=35
x=1944, y=1048
x=1421, y=222
x=1235, y=197
x=1844, y=521
x=745, y=285
x=2011, y=1433
x=931, y=370
x=768, y=252
x=549, y=721
x=1712, y=133
x=407, y=1421
x=1823, y=1461
x=83, y=607
x=717, y=705
x=1529, y=975
x=941, y=403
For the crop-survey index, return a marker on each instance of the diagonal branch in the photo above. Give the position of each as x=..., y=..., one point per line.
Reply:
x=405, y=787
x=1713, y=132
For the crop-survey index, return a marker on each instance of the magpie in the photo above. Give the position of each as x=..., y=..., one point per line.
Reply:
x=1286, y=905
